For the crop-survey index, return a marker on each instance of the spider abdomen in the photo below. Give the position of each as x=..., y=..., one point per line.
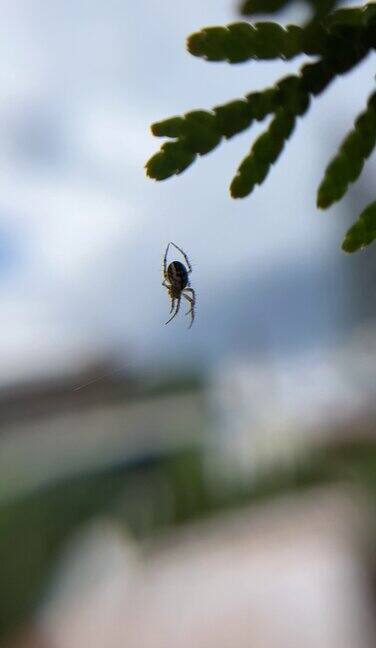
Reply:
x=176, y=281
x=178, y=276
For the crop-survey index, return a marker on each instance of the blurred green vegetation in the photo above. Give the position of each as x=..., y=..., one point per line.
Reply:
x=35, y=528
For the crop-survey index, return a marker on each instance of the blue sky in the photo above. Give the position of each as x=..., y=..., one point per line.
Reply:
x=82, y=231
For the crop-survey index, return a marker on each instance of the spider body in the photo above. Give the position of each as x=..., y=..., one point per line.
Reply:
x=176, y=280
x=177, y=275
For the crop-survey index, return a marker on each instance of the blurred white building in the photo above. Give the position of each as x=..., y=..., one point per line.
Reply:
x=285, y=575
x=268, y=411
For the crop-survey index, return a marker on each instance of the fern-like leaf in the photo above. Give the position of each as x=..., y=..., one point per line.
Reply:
x=242, y=41
x=338, y=39
x=363, y=231
x=199, y=131
x=265, y=151
x=348, y=163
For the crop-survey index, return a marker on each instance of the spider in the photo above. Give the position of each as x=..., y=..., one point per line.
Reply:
x=176, y=280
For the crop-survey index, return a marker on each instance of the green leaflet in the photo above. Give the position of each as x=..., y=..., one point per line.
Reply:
x=353, y=16
x=348, y=163
x=199, y=131
x=173, y=127
x=234, y=117
x=238, y=42
x=172, y=159
x=292, y=96
x=210, y=43
x=263, y=103
x=265, y=151
x=363, y=232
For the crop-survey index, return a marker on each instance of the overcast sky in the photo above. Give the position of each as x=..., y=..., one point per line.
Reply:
x=83, y=232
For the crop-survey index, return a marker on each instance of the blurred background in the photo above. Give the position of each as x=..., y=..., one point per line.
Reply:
x=164, y=487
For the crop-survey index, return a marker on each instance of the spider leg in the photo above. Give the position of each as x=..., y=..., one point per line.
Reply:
x=165, y=261
x=192, y=301
x=184, y=255
x=176, y=311
x=189, y=289
x=172, y=304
